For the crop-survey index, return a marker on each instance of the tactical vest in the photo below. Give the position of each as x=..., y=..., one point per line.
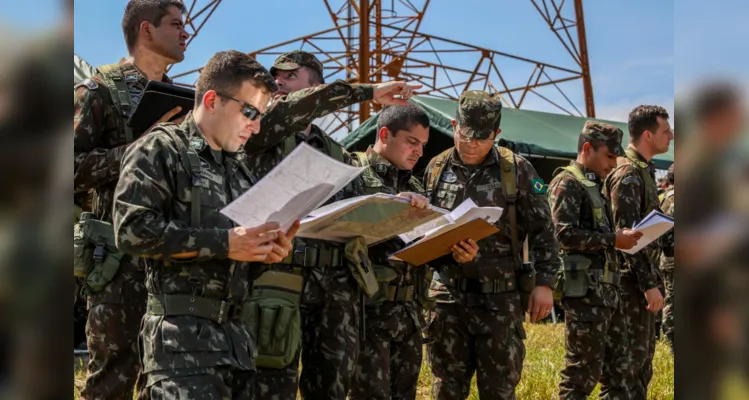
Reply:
x=508, y=176
x=643, y=172
x=598, y=207
x=372, y=182
x=218, y=310
x=114, y=80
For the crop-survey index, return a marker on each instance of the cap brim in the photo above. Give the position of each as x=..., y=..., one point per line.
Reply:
x=474, y=134
x=618, y=150
x=286, y=66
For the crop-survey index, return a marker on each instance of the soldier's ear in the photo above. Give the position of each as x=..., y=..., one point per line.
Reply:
x=145, y=30
x=382, y=135
x=209, y=101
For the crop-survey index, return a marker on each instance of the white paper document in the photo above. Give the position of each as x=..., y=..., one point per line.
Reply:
x=655, y=225
x=375, y=217
x=466, y=212
x=303, y=181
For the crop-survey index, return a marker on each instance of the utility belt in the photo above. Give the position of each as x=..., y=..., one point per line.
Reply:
x=96, y=258
x=580, y=272
x=478, y=286
x=315, y=253
x=171, y=305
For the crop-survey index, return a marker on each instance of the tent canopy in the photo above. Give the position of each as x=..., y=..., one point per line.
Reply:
x=532, y=133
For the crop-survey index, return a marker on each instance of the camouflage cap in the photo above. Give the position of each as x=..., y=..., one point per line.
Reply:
x=609, y=134
x=296, y=59
x=479, y=113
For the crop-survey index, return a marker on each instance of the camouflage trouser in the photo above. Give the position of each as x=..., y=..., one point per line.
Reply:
x=389, y=365
x=641, y=333
x=668, y=306
x=114, y=317
x=468, y=339
x=330, y=341
x=219, y=383
x=596, y=349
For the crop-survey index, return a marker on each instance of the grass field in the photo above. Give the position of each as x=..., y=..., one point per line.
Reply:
x=543, y=362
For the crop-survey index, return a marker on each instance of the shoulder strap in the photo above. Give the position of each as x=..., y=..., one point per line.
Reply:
x=647, y=180
x=362, y=157
x=508, y=176
x=111, y=76
x=596, y=201
x=334, y=149
x=191, y=162
x=437, y=167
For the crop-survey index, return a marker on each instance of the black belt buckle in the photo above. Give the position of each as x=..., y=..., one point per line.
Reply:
x=468, y=285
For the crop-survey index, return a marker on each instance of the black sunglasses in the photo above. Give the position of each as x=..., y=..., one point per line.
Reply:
x=248, y=110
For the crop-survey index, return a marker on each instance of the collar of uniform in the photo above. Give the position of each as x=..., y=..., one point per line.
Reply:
x=384, y=168
x=128, y=67
x=196, y=140
x=590, y=175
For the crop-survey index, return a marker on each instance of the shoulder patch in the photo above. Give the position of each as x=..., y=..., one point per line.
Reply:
x=631, y=179
x=88, y=82
x=539, y=186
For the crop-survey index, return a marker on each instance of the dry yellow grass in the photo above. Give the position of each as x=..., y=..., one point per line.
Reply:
x=543, y=362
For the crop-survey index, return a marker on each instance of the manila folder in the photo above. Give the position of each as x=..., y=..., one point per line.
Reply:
x=431, y=248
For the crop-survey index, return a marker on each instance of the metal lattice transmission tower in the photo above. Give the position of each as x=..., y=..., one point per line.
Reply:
x=396, y=49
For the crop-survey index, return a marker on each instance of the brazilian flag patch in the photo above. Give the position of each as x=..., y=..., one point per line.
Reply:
x=538, y=186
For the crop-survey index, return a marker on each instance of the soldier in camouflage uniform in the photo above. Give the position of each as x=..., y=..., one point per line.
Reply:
x=631, y=190
x=477, y=324
x=155, y=37
x=174, y=182
x=667, y=262
x=390, y=362
x=596, y=330
x=330, y=294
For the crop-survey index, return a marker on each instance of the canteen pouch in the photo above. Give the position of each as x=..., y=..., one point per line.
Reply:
x=576, y=277
x=559, y=286
x=95, y=255
x=383, y=275
x=526, y=283
x=358, y=261
x=273, y=316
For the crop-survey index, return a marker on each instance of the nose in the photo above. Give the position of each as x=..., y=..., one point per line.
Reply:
x=419, y=151
x=184, y=35
x=279, y=81
x=252, y=127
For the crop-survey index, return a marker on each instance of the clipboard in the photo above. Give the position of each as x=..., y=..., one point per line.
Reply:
x=158, y=98
x=423, y=251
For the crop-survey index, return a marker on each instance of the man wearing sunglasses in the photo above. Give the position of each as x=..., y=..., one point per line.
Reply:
x=327, y=292
x=477, y=324
x=201, y=267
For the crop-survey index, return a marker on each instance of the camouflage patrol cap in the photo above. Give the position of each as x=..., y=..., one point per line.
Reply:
x=296, y=59
x=609, y=134
x=479, y=113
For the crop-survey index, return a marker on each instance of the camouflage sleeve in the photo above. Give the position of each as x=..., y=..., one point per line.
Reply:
x=625, y=190
x=93, y=165
x=144, y=199
x=293, y=112
x=542, y=244
x=566, y=197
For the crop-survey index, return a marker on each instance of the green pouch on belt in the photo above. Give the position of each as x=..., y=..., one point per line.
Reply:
x=273, y=315
x=576, y=279
x=358, y=261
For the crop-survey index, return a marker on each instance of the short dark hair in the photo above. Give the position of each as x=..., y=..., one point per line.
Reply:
x=582, y=139
x=713, y=99
x=226, y=71
x=644, y=118
x=397, y=118
x=314, y=77
x=151, y=11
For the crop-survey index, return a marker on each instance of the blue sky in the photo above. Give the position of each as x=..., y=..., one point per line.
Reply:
x=631, y=43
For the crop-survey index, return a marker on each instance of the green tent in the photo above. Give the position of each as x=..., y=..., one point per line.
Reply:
x=548, y=140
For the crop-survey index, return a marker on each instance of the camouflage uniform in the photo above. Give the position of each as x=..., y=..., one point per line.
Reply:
x=330, y=298
x=596, y=331
x=477, y=323
x=192, y=343
x=631, y=189
x=667, y=267
x=114, y=313
x=390, y=362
